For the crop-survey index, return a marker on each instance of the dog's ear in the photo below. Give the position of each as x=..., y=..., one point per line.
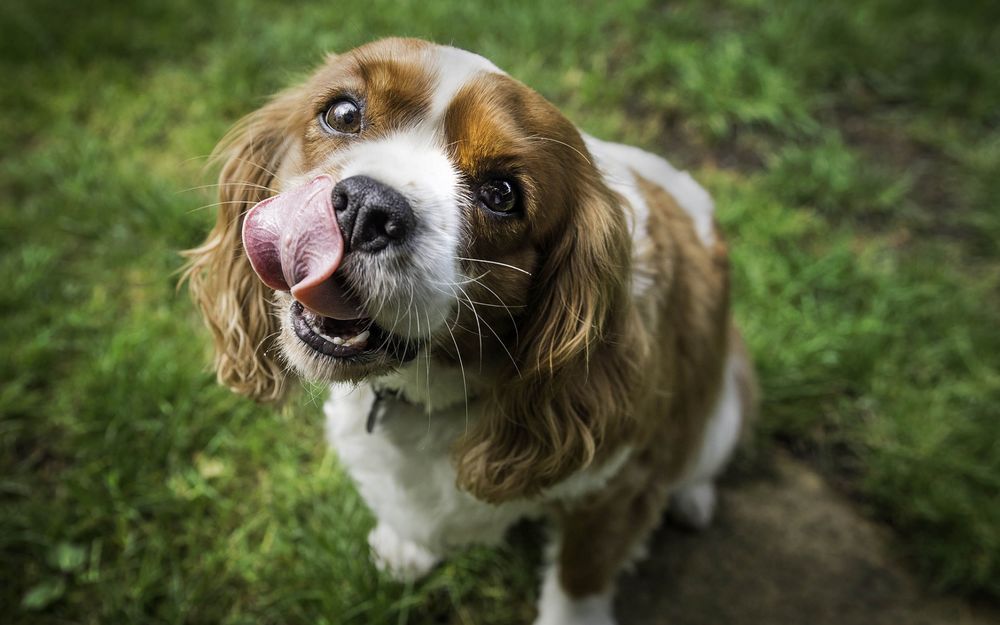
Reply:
x=577, y=356
x=236, y=305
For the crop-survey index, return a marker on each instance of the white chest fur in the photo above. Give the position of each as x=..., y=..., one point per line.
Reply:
x=404, y=473
x=403, y=467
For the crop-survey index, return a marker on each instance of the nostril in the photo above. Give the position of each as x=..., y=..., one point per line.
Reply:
x=340, y=199
x=396, y=229
x=375, y=222
x=380, y=227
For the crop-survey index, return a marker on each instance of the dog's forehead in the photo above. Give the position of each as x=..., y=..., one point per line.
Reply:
x=408, y=76
x=454, y=68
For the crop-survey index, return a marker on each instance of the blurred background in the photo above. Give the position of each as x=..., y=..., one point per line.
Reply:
x=853, y=148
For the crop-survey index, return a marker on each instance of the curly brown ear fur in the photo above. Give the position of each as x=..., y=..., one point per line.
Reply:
x=235, y=304
x=579, y=359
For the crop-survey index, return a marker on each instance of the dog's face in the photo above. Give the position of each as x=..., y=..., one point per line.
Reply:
x=411, y=198
x=419, y=186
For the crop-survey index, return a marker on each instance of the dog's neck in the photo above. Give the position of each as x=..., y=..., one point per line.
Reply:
x=435, y=386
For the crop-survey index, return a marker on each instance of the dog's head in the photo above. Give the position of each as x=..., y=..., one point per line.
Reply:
x=409, y=199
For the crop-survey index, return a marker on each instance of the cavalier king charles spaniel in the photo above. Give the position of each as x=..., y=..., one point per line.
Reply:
x=515, y=319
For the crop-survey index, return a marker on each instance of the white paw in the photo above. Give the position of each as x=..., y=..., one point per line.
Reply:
x=555, y=607
x=404, y=560
x=581, y=617
x=589, y=611
x=694, y=505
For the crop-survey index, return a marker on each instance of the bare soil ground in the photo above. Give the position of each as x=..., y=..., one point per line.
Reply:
x=784, y=549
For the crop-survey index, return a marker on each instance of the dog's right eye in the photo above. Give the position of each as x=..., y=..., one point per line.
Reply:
x=343, y=116
x=498, y=196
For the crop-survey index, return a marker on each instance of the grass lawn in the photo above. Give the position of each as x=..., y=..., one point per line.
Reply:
x=854, y=151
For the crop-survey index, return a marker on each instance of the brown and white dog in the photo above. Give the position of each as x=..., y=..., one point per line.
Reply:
x=516, y=319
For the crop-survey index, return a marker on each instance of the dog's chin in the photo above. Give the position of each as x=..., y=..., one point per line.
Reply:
x=323, y=349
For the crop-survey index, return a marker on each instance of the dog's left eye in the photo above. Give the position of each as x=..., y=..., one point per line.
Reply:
x=343, y=116
x=499, y=196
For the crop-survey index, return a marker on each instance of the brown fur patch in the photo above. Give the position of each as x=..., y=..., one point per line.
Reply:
x=567, y=393
x=690, y=327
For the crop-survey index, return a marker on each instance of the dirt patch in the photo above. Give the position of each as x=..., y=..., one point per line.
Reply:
x=784, y=549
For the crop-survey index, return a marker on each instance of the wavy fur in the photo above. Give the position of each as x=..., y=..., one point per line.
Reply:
x=234, y=303
x=579, y=364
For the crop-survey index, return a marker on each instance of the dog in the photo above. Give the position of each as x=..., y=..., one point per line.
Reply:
x=516, y=319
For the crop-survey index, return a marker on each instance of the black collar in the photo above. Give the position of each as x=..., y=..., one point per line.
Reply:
x=380, y=407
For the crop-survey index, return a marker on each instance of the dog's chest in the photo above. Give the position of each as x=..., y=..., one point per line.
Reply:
x=403, y=471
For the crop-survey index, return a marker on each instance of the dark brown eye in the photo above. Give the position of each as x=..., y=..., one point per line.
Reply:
x=499, y=196
x=343, y=116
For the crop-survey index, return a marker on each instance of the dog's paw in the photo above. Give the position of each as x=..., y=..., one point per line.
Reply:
x=555, y=607
x=404, y=560
x=583, y=612
x=694, y=505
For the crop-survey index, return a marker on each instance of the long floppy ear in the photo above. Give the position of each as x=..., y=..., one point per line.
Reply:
x=236, y=305
x=578, y=359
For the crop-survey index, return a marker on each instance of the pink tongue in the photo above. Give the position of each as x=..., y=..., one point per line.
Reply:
x=293, y=239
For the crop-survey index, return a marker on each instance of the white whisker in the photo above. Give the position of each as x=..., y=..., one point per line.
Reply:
x=493, y=262
x=582, y=155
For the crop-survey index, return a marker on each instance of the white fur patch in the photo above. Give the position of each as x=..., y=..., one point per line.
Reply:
x=404, y=560
x=723, y=429
x=694, y=505
x=404, y=473
x=403, y=470
x=433, y=387
x=616, y=160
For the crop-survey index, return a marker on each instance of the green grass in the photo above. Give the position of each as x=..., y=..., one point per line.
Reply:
x=853, y=150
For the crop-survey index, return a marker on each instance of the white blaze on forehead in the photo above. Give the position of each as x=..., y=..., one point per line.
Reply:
x=409, y=162
x=455, y=68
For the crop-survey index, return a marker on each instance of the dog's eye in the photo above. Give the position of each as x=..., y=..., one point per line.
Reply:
x=343, y=116
x=498, y=196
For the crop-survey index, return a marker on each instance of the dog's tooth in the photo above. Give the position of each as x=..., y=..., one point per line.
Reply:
x=358, y=340
x=338, y=341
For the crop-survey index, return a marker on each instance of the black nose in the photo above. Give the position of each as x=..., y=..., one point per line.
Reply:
x=371, y=215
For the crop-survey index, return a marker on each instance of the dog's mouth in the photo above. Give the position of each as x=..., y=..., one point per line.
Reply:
x=349, y=340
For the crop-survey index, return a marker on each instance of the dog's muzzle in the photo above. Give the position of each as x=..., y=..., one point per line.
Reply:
x=296, y=240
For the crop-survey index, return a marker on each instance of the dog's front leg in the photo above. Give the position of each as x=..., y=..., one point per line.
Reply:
x=593, y=543
x=402, y=559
